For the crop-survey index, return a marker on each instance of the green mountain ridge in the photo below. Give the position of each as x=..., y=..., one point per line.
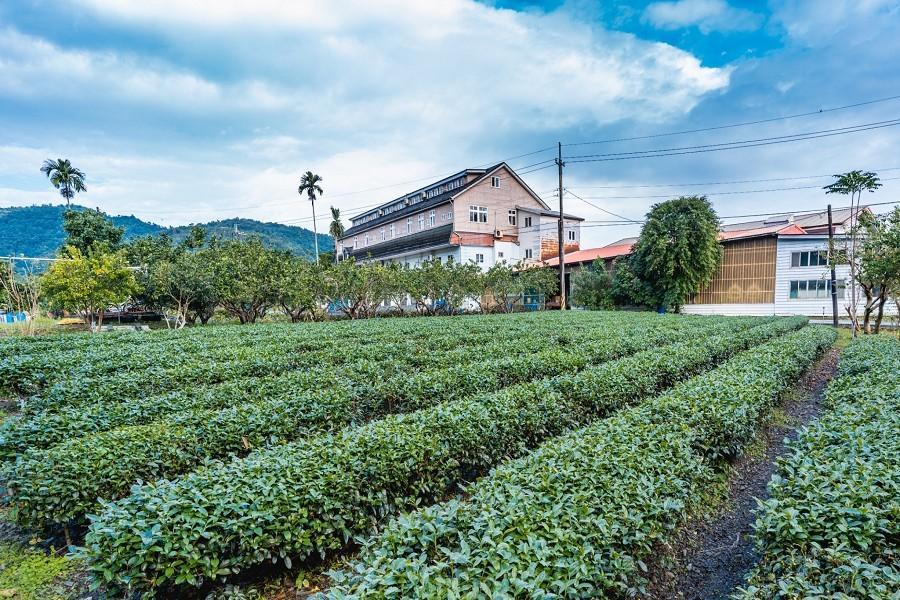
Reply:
x=36, y=231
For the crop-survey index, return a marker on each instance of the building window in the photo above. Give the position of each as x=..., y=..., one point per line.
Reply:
x=571, y=233
x=382, y=234
x=809, y=258
x=479, y=258
x=511, y=217
x=449, y=259
x=806, y=289
x=356, y=241
x=421, y=221
x=495, y=182
x=431, y=219
x=408, y=224
x=478, y=214
x=527, y=222
x=499, y=255
x=529, y=253
x=393, y=233
x=367, y=240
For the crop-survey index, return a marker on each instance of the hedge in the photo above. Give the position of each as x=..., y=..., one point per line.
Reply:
x=312, y=496
x=64, y=482
x=578, y=517
x=831, y=527
x=51, y=427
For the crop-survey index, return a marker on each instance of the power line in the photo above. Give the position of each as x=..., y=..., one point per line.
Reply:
x=735, y=144
x=733, y=125
x=609, y=212
x=692, y=184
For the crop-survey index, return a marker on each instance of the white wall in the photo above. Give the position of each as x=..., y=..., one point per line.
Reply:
x=754, y=310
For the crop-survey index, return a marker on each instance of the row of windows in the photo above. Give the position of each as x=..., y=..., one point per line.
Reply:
x=807, y=289
x=809, y=258
x=428, y=220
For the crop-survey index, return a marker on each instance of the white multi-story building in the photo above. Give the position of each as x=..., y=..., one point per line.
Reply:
x=480, y=215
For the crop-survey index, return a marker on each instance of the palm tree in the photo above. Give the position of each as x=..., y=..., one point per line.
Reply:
x=853, y=184
x=309, y=183
x=64, y=177
x=336, y=229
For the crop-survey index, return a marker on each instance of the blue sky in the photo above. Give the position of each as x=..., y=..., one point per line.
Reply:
x=184, y=112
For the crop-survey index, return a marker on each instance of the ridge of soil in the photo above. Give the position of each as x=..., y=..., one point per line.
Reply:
x=710, y=557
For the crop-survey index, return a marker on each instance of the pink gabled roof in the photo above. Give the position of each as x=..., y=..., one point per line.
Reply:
x=779, y=228
x=592, y=254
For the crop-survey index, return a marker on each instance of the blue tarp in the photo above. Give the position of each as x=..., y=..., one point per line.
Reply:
x=14, y=317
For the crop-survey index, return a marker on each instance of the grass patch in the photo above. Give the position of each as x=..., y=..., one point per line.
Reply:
x=27, y=574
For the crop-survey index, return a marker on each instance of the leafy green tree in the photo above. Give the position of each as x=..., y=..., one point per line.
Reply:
x=353, y=289
x=336, y=229
x=299, y=288
x=593, y=287
x=309, y=183
x=678, y=252
x=542, y=282
x=64, y=177
x=627, y=289
x=186, y=281
x=246, y=276
x=88, y=283
x=85, y=228
x=853, y=184
x=879, y=264
x=146, y=253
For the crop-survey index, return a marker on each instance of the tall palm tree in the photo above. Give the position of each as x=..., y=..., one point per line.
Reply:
x=336, y=229
x=309, y=183
x=853, y=184
x=64, y=177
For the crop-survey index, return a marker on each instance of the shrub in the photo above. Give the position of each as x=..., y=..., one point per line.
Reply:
x=830, y=526
x=578, y=517
x=310, y=497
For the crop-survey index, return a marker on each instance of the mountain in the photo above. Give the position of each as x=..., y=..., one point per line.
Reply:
x=37, y=231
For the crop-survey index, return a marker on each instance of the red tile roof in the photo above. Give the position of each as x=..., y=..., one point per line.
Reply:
x=779, y=228
x=592, y=254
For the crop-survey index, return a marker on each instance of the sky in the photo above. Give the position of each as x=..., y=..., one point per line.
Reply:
x=182, y=112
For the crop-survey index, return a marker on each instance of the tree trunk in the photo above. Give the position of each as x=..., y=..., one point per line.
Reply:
x=882, y=300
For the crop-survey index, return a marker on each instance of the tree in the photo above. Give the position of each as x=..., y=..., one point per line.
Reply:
x=336, y=229
x=147, y=253
x=246, y=277
x=299, y=288
x=879, y=264
x=627, y=289
x=20, y=292
x=88, y=283
x=352, y=288
x=539, y=282
x=64, y=177
x=853, y=183
x=678, y=252
x=593, y=287
x=309, y=183
x=85, y=228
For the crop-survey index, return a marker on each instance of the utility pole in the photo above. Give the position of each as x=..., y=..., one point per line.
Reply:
x=562, y=248
x=834, y=304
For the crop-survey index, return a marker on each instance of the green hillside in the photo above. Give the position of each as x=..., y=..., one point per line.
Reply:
x=37, y=231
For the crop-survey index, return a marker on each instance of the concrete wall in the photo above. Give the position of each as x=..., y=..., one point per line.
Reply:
x=498, y=201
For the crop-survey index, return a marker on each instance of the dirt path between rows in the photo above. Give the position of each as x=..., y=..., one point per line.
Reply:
x=710, y=557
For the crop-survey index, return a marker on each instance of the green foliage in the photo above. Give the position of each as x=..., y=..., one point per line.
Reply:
x=245, y=277
x=678, y=251
x=592, y=287
x=86, y=229
x=311, y=496
x=579, y=516
x=879, y=263
x=829, y=529
x=64, y=177
x=37, y=231
x=88, y=283
x=31, y=574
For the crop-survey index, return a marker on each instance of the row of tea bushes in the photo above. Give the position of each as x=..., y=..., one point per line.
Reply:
x=383, y=377
x=64, y=482
x=578, y=517
x=311, y=497
x=27, y=371
x=831, y=528
x=273, y=357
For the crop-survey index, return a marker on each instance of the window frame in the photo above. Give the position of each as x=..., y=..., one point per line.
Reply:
x=478, y=214
x=512, y=216
x=495, y=181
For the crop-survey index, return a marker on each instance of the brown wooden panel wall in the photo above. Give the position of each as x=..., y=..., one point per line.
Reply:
x=746, y=274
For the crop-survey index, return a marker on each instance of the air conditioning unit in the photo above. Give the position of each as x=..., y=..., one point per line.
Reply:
x=498, y=234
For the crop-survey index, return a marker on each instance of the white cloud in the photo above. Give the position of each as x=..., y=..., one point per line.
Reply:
x=706, y=15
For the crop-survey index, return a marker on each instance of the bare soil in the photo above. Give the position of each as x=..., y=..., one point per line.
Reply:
x=711, y=556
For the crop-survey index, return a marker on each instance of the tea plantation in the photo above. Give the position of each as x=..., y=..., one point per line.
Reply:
x=539, y=455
